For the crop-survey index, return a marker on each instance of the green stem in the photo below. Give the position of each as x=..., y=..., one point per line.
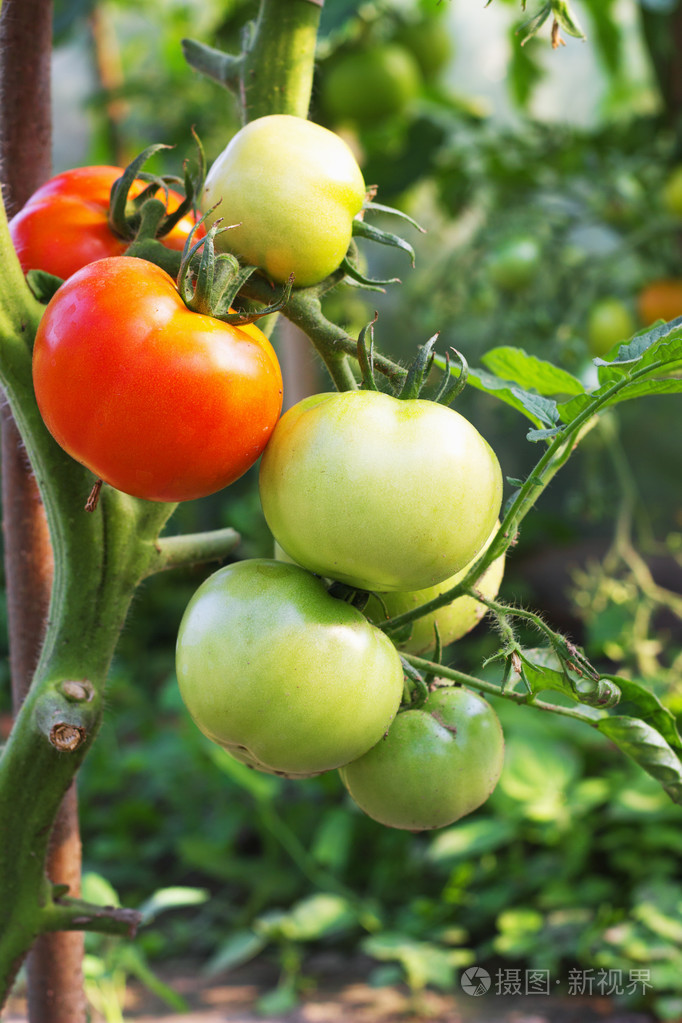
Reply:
x=590, y=717
x=277, y=69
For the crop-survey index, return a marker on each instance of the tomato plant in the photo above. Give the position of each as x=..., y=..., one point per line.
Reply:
x=609, y=322
x=453, y=620
x=435, y=765
x=160, y=402
x=660, y=300
x=514, y=263
x=64, y=225
x=287, y=678
x=371, y=84
x=377, y=492
x=289, y=190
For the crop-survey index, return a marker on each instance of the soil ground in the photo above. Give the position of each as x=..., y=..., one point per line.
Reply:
x=342, y=995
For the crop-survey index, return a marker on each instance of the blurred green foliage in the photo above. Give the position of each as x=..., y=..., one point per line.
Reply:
x=574, y=861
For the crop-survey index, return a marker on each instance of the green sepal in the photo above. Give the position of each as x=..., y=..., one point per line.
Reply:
x=418, y=371
x=375, y=207
x=366, y=356
x=451, y=386
x=365, y=282
x=361, y=229
x=563, y=14
x=531, y=27
x=118, y=197
x=43, y=285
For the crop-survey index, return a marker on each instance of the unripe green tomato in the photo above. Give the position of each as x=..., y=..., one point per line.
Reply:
x=377, y=492
x=514, y=263
x=435, y=765
x=430, y=43
x=288, y=191
x=454, y=620
x=370, y=85
x=609, y=322
x=286, y=678
x=672, y=192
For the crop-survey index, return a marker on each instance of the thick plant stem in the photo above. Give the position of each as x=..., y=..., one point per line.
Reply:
x=277, y=70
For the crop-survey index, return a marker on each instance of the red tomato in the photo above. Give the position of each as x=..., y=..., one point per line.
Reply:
x=160, y=402
x=64, y=225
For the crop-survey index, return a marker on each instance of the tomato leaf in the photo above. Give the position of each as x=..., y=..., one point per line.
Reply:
x=517, y=366
x=638, y=701
x=361, y=229
x=647, y=747
x=239, y=948
x=542, y=670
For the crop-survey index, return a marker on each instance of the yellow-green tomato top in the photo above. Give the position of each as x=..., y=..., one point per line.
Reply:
x=288, y=190
x=379, y=493
x=285, y=677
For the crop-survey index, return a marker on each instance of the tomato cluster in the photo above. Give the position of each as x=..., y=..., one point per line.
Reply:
x=378, y=503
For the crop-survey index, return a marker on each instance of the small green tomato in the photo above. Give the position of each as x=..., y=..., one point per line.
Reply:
x=434, y=766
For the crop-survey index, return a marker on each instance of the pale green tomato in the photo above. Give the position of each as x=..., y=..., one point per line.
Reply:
x=435, y=765
x=454, y=620
x=286, y=678
x=288, y=190
x=609, y=322
x=379, y=493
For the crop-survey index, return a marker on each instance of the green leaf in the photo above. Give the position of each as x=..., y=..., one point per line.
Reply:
x=531, y=373
x=471, y=839
x=531, y=27
x=541, y=411
x=316, y=916
x=362, y=229
x=542, y=670
x=239, y=948
x=171, y=898
x=423, y=962
x=525, y=71
x=638, y=701
x=647, y=747
x=566, y=18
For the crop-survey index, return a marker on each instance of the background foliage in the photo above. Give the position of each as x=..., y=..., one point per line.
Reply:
x=575, y=859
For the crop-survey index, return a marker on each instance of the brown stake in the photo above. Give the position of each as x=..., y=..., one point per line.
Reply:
x=55, y=964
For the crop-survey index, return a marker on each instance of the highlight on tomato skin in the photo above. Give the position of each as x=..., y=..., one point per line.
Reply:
x=64, y=225
x=160, y=402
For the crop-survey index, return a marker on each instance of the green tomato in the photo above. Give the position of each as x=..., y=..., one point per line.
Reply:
x=453, y=620
x=430, y=43
x=370, y=85
x=435, y=765
x=609, y=322
x=672, y=192
x=514, y=264
x=379, y=493
x=284, y=677
x=290, y=189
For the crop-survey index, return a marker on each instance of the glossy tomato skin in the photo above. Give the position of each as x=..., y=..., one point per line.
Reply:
x=435, y=765
x=660, y=300
x=379, y=493
x=286, y=678
x=160, y=402
x=291, y=188
x=453, y=620
x=64, y=225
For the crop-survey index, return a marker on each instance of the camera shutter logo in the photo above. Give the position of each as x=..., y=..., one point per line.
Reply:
x=475, y=981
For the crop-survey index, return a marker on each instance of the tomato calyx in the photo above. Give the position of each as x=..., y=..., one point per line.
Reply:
x=417, y=373
x=210, y=285
x=361, y=229
x=145, y=216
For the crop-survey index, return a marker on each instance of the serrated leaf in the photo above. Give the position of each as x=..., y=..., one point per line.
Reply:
x=638, y=701
x=543, y=671
x=663, y=342
x=531, y=373
x=536, y=435
x=541, y=411
x=647, y=747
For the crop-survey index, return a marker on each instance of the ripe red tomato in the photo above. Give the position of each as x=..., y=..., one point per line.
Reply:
x=160, y=402
x=64, y=224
